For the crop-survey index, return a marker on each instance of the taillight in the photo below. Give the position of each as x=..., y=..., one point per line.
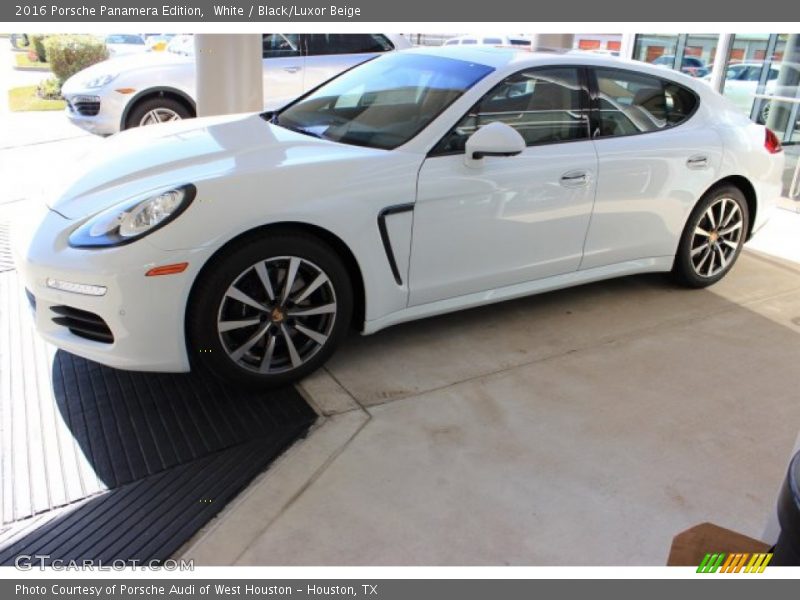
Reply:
x=772, y=143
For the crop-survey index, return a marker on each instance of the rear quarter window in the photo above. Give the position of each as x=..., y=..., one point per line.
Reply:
x=630, y=103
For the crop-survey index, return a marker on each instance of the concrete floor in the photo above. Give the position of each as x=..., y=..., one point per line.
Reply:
x=582, y=427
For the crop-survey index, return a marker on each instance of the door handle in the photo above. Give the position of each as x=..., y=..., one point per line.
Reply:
x=291, y=69
x=697, y=162
x=575, y=179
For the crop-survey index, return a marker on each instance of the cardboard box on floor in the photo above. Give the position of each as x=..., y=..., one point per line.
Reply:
x=690, y=546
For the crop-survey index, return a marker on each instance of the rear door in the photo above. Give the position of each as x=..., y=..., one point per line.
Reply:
x=283, y=66
x=328, y=54
x=655, y=161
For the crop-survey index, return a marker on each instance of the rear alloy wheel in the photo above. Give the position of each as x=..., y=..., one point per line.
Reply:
x=279, y=318
x=713, y=238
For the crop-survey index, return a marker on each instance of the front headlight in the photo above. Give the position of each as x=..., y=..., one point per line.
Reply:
x=131, y=220
x=100, y=80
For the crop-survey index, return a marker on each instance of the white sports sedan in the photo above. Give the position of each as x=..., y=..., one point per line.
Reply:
x=418, y=183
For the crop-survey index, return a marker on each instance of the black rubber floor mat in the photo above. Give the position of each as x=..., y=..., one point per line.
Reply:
x=102, y=463
x=149, y=519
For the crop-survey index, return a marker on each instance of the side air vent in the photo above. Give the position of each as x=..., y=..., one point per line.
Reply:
x=83, y=323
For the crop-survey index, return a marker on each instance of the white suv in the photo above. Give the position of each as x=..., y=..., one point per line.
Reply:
x=130, y=91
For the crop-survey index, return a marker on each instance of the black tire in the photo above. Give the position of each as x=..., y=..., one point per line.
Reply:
x=211, y=304
x=144, y=107
x=718, y=247
x=763, y=113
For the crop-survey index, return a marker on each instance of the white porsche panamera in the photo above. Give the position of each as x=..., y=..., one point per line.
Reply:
x=418, y=183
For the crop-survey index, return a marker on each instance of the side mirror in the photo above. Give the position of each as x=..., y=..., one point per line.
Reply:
x=494, y=139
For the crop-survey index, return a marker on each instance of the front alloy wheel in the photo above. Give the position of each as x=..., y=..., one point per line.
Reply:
x=158, y=115
x=270, y=311
x=713, y=237
x=277, y=315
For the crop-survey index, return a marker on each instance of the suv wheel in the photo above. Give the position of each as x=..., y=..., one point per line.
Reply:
x=157, y=110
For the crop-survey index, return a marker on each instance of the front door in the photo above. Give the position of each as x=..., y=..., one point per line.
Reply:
x=511, y=219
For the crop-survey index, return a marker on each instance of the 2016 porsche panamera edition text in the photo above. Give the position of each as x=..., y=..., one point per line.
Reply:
x=418, y=183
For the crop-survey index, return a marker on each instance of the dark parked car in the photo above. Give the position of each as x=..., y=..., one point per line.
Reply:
x=691, y=65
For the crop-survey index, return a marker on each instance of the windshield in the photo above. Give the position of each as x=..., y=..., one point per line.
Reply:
x=383, y=103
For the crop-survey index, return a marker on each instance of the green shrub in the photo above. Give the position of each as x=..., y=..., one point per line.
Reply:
x=36, y=44
x=49, y=89
x=68, y=54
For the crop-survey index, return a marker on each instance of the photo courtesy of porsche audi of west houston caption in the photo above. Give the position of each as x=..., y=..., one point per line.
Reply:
x=418, y=183
x=189, y=589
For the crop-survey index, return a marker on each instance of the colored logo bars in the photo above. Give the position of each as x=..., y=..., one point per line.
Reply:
x=734, y=563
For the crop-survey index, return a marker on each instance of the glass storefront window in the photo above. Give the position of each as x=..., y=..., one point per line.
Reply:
x=745, y=65
x=690, y=54
x=699, y=52
x=656, y=48
x=762, y=79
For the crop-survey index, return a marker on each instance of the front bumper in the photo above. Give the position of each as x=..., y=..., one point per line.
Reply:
x=104, y=119
x=144, y=314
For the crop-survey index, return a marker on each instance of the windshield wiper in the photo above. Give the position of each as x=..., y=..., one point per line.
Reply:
x=273, y=118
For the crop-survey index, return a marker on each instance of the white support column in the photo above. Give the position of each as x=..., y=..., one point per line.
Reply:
x=552, y=41
x=229, y=77
x=721, y=61
x=627, y=45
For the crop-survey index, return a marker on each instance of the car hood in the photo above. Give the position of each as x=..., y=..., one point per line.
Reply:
x=125, y=63
x=153, y=158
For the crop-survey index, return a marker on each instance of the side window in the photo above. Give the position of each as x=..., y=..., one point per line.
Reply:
x=632, y=103
x=752, y=74
x=280, y=45
x=546, y=106
x=469, y=41
x=492, y=41
x=347, y=43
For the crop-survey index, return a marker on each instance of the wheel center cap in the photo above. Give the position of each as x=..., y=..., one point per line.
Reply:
x=713, y=237
x=277, y=315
